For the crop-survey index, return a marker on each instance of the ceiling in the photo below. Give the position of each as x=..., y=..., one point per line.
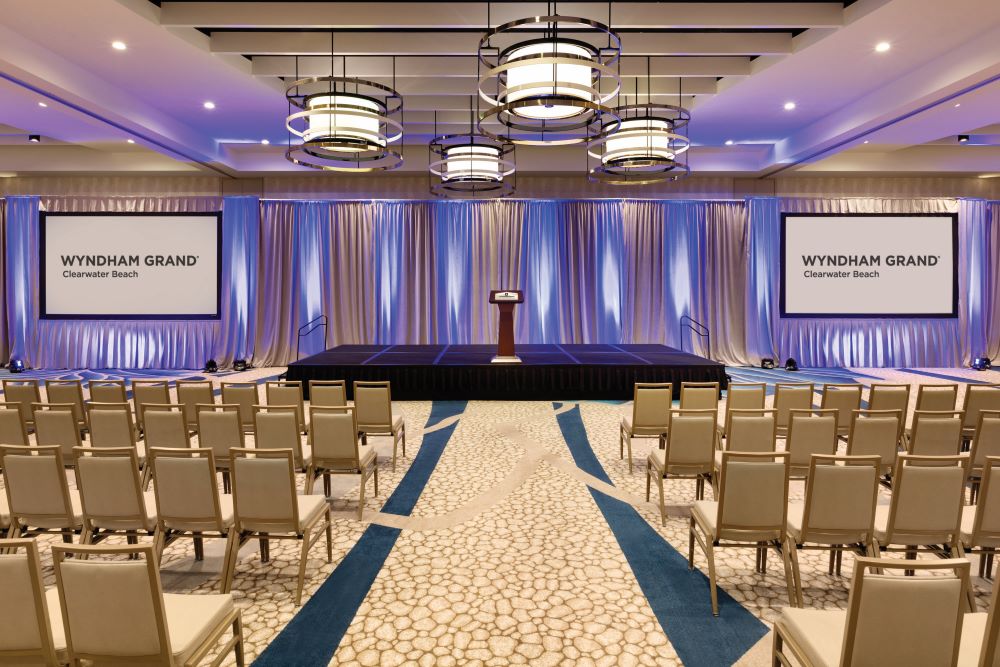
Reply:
x=736, y=63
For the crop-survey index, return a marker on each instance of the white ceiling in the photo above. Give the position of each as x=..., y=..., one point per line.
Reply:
x=737, y=62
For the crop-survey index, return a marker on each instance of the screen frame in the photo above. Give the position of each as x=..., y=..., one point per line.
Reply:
x=45, y=315
x=871, y=316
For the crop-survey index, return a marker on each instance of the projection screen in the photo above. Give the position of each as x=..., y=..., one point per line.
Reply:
x=130, y=266
x=871, y=265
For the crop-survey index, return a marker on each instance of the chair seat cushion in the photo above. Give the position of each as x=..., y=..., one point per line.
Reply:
x=55, y=619
x=149, y=500
x=793, y=521
x=973, y=633
x=310, y=509
x=225, y=510
x=74, y=499
x=4, y=511
x=192, y=618
x=818, y=632
x=657, y=461
x=968, y=523
x=882, y=529
x=706, y=513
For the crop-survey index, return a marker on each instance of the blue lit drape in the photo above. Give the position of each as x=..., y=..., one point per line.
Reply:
x=22, y=268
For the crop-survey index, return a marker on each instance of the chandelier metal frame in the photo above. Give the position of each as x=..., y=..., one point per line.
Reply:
x=471, y=187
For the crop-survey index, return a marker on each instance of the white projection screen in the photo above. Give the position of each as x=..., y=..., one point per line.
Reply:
x=869, y=265
x=141, y=266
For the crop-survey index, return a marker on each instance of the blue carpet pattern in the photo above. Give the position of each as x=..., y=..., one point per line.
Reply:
x=313, y=635
x=678, y=597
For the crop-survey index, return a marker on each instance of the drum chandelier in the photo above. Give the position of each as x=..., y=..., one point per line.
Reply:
x=471, y=165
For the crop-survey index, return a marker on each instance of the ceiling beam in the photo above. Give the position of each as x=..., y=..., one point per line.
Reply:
x=438, y=15
x=458, y=44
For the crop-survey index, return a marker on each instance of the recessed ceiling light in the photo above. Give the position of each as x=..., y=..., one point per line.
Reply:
x=963, y=138
x=866, y=141
x=958, y=104
x=209, y=105
x=119, y=45
x=882, y=47
x=34, y=138
x=42, y=104
x=789, y=106
x=265, y=141
x=131, y=141
x=729, y=142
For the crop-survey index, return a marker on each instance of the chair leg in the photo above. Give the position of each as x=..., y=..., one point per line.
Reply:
x=970, y=591
x=229, y=562
x=402, y=430
x=691, y=545
x=394, y=443
x=621, y=443
x=840, y=560
x=911, y=554
x=159, y=543
x=776, y=647
x=833, y=562
x=226, y=484
x=310, y=482
x=790, y=584
x=327, y=489
x=303, y=556
x=376, y=479
x=329, y=538
x=147, y=476
x=628, y=443
x=265, y=549
x=238, y=646
x=663, y=506
x=199, y=548
x=649, y=472
x=710, y=555
x=793, y=554
x=361, y=496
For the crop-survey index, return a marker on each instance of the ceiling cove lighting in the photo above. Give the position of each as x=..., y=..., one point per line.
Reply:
x=345, y=123
x=646, y=145
x=548, y=79
x=471, y=165
x=119, y=45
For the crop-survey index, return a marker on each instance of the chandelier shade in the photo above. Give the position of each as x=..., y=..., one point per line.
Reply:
x=647, y=145
x=549, y=90
x=345, y=124
x=471, y=165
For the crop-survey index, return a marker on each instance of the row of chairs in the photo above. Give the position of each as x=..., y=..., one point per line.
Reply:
x=926, y=512
x=186, y=503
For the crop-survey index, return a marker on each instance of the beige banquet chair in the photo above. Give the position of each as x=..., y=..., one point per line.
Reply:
x=749, y=431
x=838, y=512
x=743, y=396
x=39, y=499
x=790, y=396
x=268, y=507
x=114, y=611
x=191, y=394
x=12, y=428
x=936, y=397
x=700, y=396
x=876, y=433
x=935, y=434
x=148, y=391
x=219, y=429
x=375, y=416
x=978, y=397
x=107, y=391
x=882, y=396
x=985, y=443
x=981, y=635
x=111, y=426
x=24, y=393
x=31, y=629
x=286, y=392
x=111, y=495
x=845, y=399
x=689, y=453
x=68, y=392
x=328, y=393
x=750, y=512
x=166, y=426
x=810, y=432
x=981, y=522
x=55, y=425
x=336, y=450
x=188, y=503
x=245, y=395
x=649, y=416
x=890, y=621
x=277, y=427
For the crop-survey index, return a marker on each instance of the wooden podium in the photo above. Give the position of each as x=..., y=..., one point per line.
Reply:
x=505, y=301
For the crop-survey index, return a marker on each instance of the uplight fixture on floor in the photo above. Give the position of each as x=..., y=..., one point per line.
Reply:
x=548, y=79
x=16, y=366
x=982, y=364
x=345, y=123
x=470, y=165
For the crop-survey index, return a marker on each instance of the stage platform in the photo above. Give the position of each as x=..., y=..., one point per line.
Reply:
x=548, y=372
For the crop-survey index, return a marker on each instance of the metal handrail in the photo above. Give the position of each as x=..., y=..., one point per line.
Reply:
x=699, y=329
x=309, y=327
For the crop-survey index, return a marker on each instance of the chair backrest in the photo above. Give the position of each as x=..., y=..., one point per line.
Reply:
x=744, y=396
x=277, y=427
x=333, y=435
x=699, y=396
x=373, y=405
x=25, y=626
x=36, y=485
x=936, y=433
x=875, y=432
x=651, y=405
x=986, y=441
x=986, y=527
x=110, y=488
x=244, y=394
x=810, y=432
x=56, y=425
x=845, y=399
x=165, y=426
x=937, y=397
x=192, y=393
x=751, y=431
x=897, y=621
x=107, y=391
x=264, y=493
x=148, y=391
x=791, y=396
x=111, y=425
x=979, y=397
x=883, y=396
x=841, y=493
x=112, y=609
x=12, y=428
x=328, y=393
x=989, y=656
x=219, y=429
x=287, y=393
x=927, y=497
x=691, y=439
x=187, y=494
x=753, y=496
x=67, y=391
x=24, y=393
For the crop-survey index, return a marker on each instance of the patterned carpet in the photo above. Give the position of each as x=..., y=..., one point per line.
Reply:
x=512, y=533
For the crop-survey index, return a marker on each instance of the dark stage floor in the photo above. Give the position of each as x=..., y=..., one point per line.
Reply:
x=548, y=372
